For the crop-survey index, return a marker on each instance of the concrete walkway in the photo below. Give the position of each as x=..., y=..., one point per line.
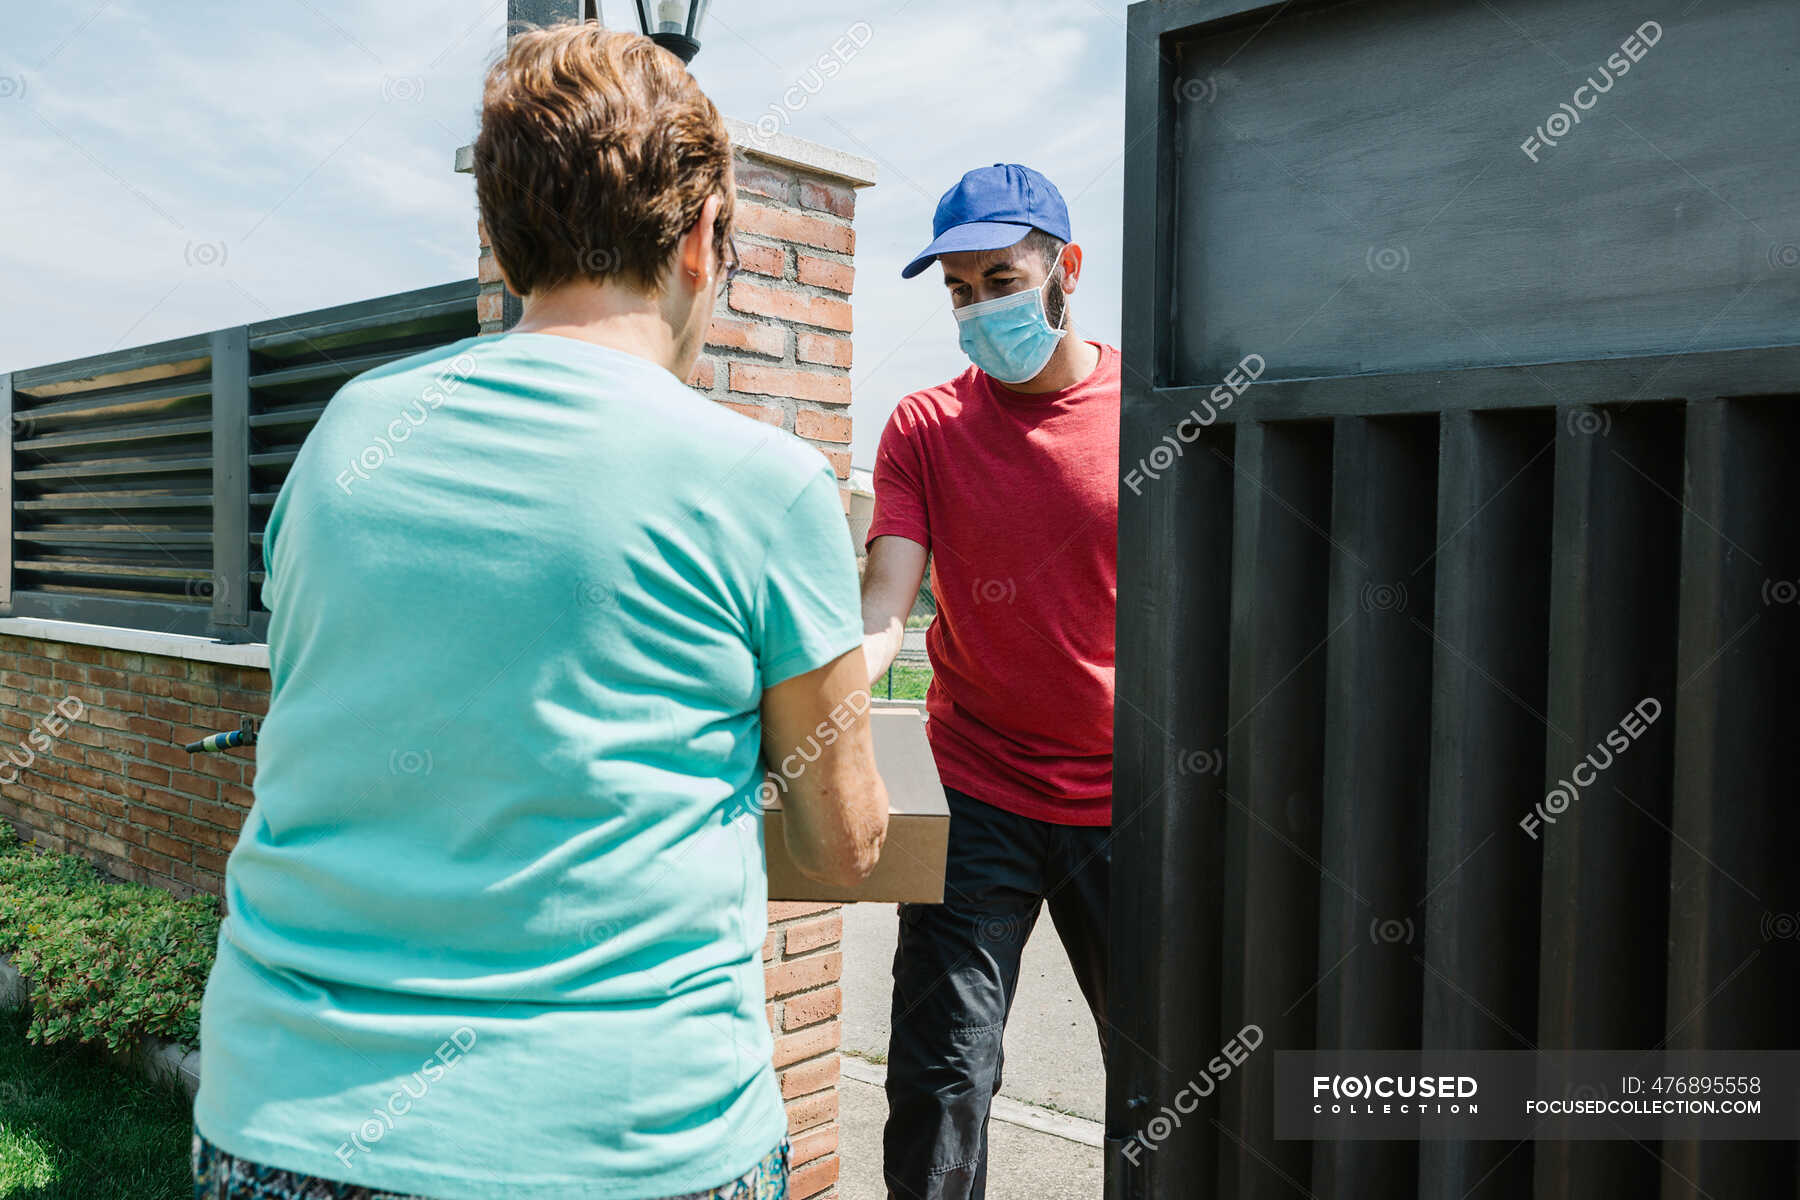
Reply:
x=1044, y=1138
x=1022, y=1164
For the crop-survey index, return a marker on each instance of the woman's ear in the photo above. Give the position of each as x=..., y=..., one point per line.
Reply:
x=697, y=256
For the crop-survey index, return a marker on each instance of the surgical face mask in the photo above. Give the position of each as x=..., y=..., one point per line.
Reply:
x=1009, y=337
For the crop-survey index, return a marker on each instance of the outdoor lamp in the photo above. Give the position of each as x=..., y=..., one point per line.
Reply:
x=673, y=24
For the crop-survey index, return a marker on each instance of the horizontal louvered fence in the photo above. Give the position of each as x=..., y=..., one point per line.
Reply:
x=141, y=480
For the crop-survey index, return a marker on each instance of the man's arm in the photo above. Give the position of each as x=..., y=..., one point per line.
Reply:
x=836, y=806
x=891, y=578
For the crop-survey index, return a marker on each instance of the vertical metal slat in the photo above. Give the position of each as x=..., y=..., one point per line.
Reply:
x=1274, y=762
x=1377, y=769
x=1495, y=477
x=231, y=479
x=1168, y=818
x=1605, y=858
x=6, y=495
x=1733, y=822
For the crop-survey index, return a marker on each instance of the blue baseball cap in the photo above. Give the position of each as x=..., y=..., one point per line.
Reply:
x=993, y=207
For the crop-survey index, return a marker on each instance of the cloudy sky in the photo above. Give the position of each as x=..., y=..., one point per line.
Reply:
x=215, y=163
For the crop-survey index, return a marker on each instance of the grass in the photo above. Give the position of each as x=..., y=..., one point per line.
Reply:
x=909, y=683
x=74, y=1127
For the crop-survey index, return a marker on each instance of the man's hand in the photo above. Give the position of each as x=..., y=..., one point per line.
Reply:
x=891, y=578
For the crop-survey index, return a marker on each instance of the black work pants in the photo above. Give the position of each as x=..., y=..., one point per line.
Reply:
x=956, y=971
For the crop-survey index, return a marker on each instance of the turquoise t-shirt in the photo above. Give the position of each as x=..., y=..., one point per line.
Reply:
x=497, y=913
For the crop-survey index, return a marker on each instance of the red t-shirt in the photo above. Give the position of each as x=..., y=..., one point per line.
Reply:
x=1017, y=497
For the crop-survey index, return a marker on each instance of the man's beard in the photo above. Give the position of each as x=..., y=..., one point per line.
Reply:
x=1056, y=306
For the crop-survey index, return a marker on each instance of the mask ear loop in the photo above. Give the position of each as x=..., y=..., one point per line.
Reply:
x=1062, y=326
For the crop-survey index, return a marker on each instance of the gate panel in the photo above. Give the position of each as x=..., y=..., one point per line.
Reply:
x=1564, y=376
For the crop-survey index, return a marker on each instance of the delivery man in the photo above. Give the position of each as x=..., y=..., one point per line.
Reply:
x=1007, y=478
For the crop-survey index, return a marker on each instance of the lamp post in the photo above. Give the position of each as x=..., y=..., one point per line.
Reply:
x=673, y=24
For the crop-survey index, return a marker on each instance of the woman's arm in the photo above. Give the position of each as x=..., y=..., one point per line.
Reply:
x=836, y=805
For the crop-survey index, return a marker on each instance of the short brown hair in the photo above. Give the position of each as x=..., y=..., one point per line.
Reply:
x=596, y=152
x=1046, y=246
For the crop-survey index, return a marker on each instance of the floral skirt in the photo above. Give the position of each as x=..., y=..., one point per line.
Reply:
x=219, y=1175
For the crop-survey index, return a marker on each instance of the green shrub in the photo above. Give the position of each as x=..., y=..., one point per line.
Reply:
x=107, y=962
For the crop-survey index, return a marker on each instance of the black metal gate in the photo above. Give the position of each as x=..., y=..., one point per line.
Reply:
x=1460, y=432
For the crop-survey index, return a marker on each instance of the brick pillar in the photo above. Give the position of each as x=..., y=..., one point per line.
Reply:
x=802, y=964
x=779, y=351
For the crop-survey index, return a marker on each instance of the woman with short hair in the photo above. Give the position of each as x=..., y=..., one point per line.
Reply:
x=537, y=609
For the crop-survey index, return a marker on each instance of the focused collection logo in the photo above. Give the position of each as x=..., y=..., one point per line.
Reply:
x=1395, y=1095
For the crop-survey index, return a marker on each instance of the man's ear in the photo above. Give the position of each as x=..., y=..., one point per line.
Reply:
x=1070, y=268
x=698, y=253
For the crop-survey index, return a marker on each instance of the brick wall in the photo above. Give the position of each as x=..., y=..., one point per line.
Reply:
x=114, y=784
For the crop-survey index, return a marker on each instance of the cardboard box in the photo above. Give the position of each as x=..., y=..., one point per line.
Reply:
x=912, y=858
